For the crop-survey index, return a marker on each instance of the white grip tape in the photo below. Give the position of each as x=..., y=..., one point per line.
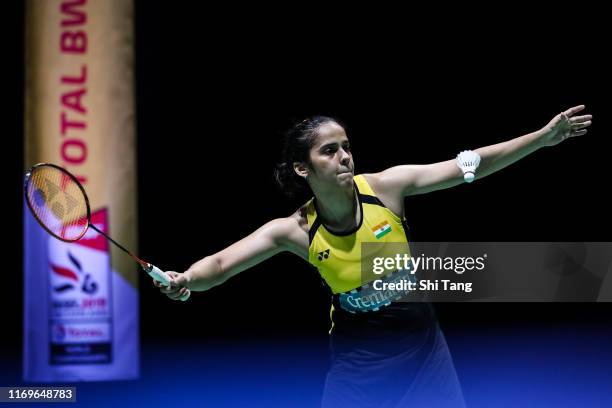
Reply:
x=162, y=277
x=158, y=275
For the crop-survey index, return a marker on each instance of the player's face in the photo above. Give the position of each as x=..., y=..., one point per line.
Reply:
x=330, y=158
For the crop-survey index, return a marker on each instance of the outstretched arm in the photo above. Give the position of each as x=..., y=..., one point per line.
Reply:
x=419, y=179
x=282, y=234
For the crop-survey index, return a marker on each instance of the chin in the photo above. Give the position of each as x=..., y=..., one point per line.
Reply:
x=346, y=180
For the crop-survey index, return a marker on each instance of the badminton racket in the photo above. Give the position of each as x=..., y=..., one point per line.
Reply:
x=60, y=205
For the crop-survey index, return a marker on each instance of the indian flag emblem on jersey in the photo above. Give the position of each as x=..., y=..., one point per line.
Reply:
x=381, y=229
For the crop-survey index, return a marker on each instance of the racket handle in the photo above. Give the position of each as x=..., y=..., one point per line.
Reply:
x=163, y=278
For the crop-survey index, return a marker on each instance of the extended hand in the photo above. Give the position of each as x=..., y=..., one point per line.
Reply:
x=564, y=126
x=177, y=290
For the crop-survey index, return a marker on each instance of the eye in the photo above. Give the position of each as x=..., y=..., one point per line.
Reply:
x=347, y=147
x=330, y=150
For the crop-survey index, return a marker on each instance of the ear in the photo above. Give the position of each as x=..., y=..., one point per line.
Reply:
x=300, y=169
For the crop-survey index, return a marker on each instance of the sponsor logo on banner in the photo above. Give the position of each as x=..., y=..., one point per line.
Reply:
x=79, y=289
x=80, y=333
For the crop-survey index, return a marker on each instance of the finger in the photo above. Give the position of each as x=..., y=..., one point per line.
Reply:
x=176, y=279
x=573, y=110
x=174, y=296
x=173, y=274
x=182, y=292
x=578, y=126
x=583, y=118
x=578, y=133
x=169, y=289
x=185, y=296
x=159, y=284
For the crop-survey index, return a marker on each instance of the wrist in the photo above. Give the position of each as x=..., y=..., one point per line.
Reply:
x=188, y=278
x=540, y=137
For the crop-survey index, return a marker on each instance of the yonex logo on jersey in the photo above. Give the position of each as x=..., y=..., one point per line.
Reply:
x=323, y=255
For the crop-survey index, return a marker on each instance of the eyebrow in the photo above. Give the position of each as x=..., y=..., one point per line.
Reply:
x=333, y=144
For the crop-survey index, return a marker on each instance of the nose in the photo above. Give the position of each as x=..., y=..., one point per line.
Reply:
x=345, y=158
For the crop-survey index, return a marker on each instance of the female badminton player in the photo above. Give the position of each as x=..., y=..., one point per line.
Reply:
x=395, y=354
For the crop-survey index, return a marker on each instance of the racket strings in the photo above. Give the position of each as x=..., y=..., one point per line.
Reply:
x=58, y=202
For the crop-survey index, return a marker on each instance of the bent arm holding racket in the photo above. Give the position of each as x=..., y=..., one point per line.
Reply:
x=279, y=235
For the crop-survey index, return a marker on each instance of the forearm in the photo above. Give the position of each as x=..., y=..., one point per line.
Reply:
x=205, y=274
x=496, y=157
x=418, y=179
x=240, y=256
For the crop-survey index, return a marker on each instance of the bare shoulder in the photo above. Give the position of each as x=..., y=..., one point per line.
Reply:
x=382, y=183
x=282, y=228
x=392, y=180
x=300, y=217
x=291, y=232
x=373, y=180
x=295, y=223
x=390, y=193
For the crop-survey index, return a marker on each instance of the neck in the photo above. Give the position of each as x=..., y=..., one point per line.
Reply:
x=338, y=208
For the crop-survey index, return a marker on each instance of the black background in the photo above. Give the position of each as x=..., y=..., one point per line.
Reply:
x=216, y=89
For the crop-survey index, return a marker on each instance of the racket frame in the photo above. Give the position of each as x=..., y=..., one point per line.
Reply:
x=149, y=268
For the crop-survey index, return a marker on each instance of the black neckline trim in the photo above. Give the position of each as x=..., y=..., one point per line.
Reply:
x=369, y=199
x=313, y=229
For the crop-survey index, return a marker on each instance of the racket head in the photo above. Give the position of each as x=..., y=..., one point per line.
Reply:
x=57, y=201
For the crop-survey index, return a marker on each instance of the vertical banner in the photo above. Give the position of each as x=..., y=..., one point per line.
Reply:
x=81, y=299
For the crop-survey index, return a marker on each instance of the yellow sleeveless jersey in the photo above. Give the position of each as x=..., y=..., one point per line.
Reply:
x=338, y=257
